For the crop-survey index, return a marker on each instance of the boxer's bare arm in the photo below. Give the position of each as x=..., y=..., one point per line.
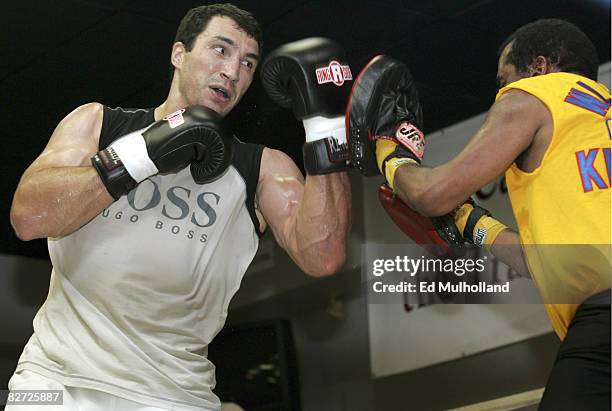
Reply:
x=60, y=191
x=309, y=218
x=509, y=129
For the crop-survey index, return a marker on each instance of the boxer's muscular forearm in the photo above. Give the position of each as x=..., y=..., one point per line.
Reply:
x=309, y=219
x=322, y=223
x=61, y=191
x=56, y=201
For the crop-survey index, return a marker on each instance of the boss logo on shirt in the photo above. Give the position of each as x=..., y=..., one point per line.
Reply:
x=173, y=205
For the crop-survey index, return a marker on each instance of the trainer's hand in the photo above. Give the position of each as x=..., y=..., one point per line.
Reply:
x=435, y=234
x=476, y=224
x=384, y=119
x=193, y=136
x=313, y=78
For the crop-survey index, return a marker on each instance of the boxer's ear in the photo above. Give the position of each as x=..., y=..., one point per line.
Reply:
x=177, y=55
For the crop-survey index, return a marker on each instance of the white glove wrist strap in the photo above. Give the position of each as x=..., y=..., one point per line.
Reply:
x=132, y=151
x=320, y=127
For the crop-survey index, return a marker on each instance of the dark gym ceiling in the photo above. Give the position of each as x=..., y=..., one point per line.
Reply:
x=57, y=55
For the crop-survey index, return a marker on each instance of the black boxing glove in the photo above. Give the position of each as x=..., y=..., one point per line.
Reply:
x=192, y=136
x=312, y=77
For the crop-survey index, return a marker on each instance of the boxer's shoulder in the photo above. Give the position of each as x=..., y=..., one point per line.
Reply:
x=120, y=121
x=88, y=116
x=80, y=127
x=277, y=166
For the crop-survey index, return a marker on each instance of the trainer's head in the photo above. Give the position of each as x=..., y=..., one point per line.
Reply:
x=546, y=46
x=214, y=56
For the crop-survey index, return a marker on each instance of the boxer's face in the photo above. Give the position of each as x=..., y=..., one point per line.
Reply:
x=219, y=68
x=506, y=72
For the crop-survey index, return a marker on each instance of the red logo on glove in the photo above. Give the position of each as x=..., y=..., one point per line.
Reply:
x=334, y=73
x=412, y=138
x=175, y=119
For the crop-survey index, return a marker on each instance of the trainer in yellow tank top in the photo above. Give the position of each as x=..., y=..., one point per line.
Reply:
x=562, y=208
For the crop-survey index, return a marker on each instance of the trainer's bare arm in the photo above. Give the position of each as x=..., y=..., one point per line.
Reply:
x=507, y=248
x=310, y=218
x=511, y=127
x=517, y=126
x=61, y=191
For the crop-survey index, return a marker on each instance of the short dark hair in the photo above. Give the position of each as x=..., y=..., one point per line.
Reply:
x=562, y=42
x=196, y=20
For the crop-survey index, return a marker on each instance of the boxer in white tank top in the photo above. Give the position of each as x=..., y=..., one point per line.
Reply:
x=142, y=278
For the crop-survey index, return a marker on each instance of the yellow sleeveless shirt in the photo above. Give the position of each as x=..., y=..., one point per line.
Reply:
x=562, y=208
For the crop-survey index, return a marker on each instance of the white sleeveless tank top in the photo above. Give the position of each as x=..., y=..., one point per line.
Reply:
x=139, y=292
